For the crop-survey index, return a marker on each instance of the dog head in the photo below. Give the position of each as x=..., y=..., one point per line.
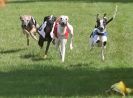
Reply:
x=101, y=23
x=25, y=20
x=63, y=20
x=50, y=20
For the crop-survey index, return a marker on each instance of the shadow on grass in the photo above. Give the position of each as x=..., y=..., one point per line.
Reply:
x=65, y=82
x=34, y=57
x=89, y=1
x=11, y=51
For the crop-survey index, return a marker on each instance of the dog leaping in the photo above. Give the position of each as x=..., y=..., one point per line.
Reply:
x=99, y=34
x=29, y=26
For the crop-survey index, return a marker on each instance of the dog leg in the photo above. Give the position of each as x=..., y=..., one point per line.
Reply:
x=57, y=42
x=27, y=36
x=91, y=43
x=71, y=35
x=60, y=52
x=57, y=46
x=63, y=48
x=32, y=34
x=40, y=43
x=27, y=39
x=102, y=52
x=104, y=42
x=47, y=48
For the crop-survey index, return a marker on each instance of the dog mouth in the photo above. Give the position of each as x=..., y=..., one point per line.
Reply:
x=63, y=24
x=24, y=26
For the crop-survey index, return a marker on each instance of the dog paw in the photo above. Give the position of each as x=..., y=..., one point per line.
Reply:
x=45, y=56
x=53, y=41
x=37, y=39
x=91, y=49
x=62, y=61
x=103, y=58
x=71, y=47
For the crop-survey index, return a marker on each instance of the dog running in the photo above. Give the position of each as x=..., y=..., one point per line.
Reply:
x=62, y=30
x=46, y=32
x=99, y=34
x=29, y=27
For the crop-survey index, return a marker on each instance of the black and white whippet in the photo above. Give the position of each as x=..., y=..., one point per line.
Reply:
x=99, y=34
x=46, y=32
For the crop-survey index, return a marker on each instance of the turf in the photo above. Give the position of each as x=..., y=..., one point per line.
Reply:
x=24, y=74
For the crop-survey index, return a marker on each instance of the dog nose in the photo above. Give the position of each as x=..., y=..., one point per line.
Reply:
x=101, y=28
x=23, y=25
x=63, y=24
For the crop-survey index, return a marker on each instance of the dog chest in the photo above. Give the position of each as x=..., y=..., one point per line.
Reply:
x=60, y=33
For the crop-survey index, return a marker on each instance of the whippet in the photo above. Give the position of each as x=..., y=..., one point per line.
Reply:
x=29, y=26
x=99, y=34
x=61, y=31
x=46, y=32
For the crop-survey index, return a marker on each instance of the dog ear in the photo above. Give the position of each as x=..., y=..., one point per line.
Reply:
x=67, y=18
x=54, y=18
x=45, y=18
x=20, y=17
x=59, y=19
x=97, y=18
x=104, y=15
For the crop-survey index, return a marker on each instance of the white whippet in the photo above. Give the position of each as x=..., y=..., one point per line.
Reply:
x=61, y=31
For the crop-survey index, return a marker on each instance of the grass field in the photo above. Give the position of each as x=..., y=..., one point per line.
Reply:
x=24, y=74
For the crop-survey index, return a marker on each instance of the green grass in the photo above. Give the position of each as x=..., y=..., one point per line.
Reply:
x=24, y=74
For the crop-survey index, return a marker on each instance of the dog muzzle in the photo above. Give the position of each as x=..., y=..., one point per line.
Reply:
x=63, y=24
x=101, y=29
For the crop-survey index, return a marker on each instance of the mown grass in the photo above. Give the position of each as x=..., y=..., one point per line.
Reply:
x=23, y=73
